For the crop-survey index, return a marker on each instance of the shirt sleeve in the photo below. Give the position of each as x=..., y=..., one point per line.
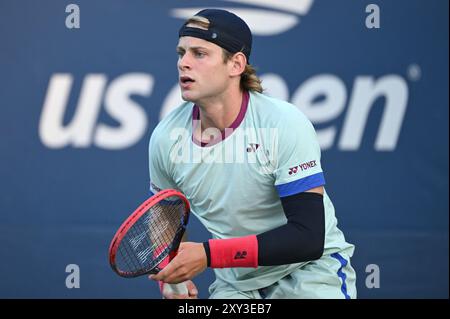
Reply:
x=159, y=175
x=298, y=166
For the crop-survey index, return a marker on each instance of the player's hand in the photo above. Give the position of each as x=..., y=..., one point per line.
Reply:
x=189, y=262
x=168, y=293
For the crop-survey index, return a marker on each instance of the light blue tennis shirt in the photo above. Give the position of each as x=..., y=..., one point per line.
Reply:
x=234, y=185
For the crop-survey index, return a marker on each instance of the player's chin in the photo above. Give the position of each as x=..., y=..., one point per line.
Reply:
x=189, y=96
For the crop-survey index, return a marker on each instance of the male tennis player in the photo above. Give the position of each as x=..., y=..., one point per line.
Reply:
x=250, y=166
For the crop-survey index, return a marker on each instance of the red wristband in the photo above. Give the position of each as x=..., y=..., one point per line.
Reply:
x=234, y=252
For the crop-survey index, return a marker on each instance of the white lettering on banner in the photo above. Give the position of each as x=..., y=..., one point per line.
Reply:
x=365, y=92
x=333, y=90
x=274, y=85
x=373, y=277
x=131, y=115
x=81, y=132
x=73, y=279
x=73, y=19
x=322, y=98
x=373, y=19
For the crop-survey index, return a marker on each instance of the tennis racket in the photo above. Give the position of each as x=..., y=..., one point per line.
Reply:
x=150, y=235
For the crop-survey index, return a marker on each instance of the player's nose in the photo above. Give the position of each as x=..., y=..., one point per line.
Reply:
x=184, y=63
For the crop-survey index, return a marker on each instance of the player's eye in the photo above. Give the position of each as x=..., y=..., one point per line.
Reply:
x=199, y=54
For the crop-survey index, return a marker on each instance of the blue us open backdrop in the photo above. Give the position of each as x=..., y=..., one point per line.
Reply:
x=78, y=105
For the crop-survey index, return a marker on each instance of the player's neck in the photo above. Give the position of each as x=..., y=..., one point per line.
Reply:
x=220, y=111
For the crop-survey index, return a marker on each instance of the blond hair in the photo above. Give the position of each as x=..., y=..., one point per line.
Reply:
x=249, y=80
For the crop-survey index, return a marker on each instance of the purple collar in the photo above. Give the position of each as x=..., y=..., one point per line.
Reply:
x=227, y=132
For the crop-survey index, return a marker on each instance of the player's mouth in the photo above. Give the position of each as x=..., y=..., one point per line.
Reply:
x=186, y=81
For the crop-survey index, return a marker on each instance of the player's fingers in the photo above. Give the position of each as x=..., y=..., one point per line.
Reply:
x=167, y=272
x=172, y=274
x=171, y=295
x=154, y=277
x=175, y=296
x=161, y=276
x=193, y=292
x=174, y=278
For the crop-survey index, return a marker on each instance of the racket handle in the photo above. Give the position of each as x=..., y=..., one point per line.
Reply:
x=179, y=289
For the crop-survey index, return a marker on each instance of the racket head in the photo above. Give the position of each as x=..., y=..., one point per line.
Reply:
x=150, y=234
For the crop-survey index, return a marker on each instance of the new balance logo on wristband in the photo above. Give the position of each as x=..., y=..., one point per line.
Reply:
x=234, y=252
x=240, y=255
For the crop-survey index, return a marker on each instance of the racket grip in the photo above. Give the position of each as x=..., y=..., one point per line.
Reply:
x=178, y=289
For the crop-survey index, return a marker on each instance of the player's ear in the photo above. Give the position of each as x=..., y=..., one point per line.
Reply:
x=237, y=64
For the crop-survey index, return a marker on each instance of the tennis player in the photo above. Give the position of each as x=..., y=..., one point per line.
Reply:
x=250, y=166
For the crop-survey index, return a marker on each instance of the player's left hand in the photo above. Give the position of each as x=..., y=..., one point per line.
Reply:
x=189, y=262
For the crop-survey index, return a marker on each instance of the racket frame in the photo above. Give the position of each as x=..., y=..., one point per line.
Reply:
x=131, y=220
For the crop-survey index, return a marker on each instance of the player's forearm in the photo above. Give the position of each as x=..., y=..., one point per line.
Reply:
x=288, y=245
x=302, y=238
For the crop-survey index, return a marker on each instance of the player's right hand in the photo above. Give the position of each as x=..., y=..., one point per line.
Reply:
x=168, y=293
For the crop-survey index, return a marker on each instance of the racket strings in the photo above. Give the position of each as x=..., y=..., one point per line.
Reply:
x=148, y=241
